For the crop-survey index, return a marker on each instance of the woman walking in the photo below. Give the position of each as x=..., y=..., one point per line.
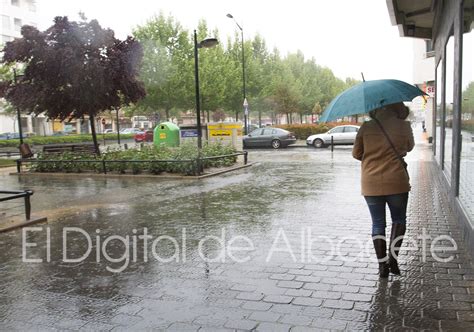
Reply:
x=381, y=145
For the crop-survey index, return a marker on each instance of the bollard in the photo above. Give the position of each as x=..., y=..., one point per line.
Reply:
x=104, y=168
x=18, y=166
x=28, y=205
x=245, y=157
x=125, y=146
x=332, y=143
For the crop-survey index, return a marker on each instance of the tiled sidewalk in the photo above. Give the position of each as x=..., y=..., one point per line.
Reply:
x=290, y=192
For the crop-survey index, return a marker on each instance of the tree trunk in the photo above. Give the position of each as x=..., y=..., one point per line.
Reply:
x=94, y=135
x=301, y=117
x=208, y=117
x=236, y=116
x=167, y=113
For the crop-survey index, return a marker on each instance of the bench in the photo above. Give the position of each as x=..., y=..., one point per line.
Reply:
x=69, y=147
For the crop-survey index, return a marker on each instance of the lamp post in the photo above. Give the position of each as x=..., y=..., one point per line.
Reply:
x=206, y=43
x=18, y=114
x=245, y=103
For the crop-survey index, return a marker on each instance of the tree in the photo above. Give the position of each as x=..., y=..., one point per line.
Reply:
x=73, y=70
x=167, y=70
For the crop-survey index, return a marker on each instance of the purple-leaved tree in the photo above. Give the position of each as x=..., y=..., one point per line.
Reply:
x=73, y=70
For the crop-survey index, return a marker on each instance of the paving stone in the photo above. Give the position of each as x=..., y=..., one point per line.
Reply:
x=327, y=295
x=96, y=326
x=254, y=305
x=318, y=312
x=282, y=276
x=308, y=279
x=307, y=301
x=296, y=319
x=330, y=324
x=244, y=288
x=298, y=292
x=350, y=315
x=317, y=286
x=290, y=284
x=357, y=297
x=278, y=299
x=265, y=316
x=183, y=327
x=249, y=296
x=241, y=324
x=338, y=304
x=273, y=327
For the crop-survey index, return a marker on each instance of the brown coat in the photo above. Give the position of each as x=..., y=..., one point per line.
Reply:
x=382, y=172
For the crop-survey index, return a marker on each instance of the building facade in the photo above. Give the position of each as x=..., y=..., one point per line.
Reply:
x=449, y=26
x=15, y=14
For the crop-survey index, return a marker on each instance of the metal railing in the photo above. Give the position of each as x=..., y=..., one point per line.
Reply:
x=14, y=194
x=197, y=162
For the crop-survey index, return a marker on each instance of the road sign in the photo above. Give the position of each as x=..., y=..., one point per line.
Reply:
x=103, y=121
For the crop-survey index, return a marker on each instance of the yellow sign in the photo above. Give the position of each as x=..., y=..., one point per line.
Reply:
x=58, y=125
x=162, y=135
x=224, y=129
x=220, y=133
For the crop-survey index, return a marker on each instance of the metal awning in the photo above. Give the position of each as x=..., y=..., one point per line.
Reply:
x=414, y=18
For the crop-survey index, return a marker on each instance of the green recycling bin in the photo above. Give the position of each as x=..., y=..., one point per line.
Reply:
x=166, y=134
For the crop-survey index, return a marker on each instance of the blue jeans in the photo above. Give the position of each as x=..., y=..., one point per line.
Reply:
x=398, y=210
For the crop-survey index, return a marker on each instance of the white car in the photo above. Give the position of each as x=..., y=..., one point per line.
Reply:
x=342, y=135
x=130, y=131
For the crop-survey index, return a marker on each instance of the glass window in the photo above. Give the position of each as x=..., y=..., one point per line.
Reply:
x=350, y=129
x=448, y=115
x=31, y=6
x=18, y=24
x=439, y=87
x=6, y=22
x=336, y=130
x=6, y=39
x=256, y=132
x=466, y=170
x=267, y=131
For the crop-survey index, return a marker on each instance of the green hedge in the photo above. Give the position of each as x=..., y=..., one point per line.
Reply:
x=43, y=140
x=302, y=131
x=146, y=154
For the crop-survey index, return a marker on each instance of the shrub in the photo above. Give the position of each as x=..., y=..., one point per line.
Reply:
x=149, y=155
x=43, y=140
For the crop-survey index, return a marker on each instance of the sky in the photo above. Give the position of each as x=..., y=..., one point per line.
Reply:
x=347, y=36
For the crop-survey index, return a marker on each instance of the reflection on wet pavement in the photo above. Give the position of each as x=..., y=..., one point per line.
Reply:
x=292, y=207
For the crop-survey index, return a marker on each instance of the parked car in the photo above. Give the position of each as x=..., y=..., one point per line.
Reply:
x=269, y=137
x=109, y=131
x=5, y=136
x=144, y=136
x=342, y=135
x=130, y=131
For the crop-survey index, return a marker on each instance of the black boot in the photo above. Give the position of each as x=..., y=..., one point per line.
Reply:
x=380, y=246
x=398, y=231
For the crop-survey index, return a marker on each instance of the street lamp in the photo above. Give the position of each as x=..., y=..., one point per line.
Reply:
x=206, y=43
x=245, y=103
x=20, y=130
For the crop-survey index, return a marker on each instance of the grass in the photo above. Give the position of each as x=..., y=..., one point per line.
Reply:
x=7, y=162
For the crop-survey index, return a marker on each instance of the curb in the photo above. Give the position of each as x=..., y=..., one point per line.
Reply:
x=22, y=224
x=132, y=176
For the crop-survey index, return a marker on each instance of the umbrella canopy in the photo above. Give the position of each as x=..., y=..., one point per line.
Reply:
x=369, y=95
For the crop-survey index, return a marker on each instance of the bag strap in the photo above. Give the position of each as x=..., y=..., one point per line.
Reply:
x=391, y=144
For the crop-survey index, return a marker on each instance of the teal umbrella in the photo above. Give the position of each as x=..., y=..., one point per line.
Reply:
x=369, y=95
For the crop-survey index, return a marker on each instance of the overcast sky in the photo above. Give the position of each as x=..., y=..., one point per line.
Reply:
x=347, y=36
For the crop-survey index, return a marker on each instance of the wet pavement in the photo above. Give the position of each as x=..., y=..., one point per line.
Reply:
x=293, y=228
